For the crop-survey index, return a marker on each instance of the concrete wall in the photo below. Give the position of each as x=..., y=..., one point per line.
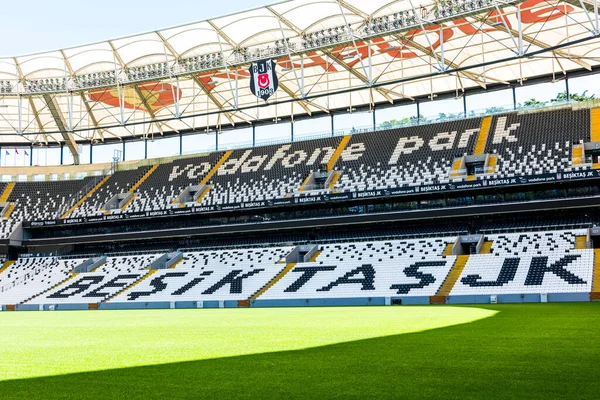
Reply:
x=361, y=301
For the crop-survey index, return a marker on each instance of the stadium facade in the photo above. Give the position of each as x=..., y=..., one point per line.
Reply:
x=474, y=207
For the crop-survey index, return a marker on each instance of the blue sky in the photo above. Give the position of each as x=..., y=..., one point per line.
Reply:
x=31, y=26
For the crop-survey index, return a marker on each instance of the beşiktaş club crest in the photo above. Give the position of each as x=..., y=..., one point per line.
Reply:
x=263, y=79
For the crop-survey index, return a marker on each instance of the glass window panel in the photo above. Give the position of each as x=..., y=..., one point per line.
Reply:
x=166, y=147
x=538, y=95
x=352, y=123
x=46, y=156
x=386, y=118
x=134, y=150
x=104, y=153
x=585, y=85
x=501, y=100
x=441, y=110
x=235, y=138
x=314, y=127
x=273, y=133
x=198, y=143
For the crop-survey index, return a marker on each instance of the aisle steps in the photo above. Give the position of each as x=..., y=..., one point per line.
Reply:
x=277, y=278
x=338, y=152
x=484, y=132
x=451, y=279
x=87, y=196
x=7, y=191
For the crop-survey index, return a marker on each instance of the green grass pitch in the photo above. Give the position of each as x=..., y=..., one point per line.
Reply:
x=440, y=352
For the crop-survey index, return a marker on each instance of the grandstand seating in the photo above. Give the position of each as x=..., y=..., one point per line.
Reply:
x=544, y=262
x=119, y=182
x=269, y=172
x=199, y=275
x=537, y=143
x=29, y=277
x=525, y=144
x=519, y=263
x=40, y=201
x=160, y=190
x=369, y=269
x=408, y=156
x=113, y=276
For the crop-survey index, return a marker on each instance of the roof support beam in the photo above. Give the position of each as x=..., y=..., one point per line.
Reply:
x=212, y=98
x=137, y=90
x=84, y=100
x=533, y=41
x=451, y=65
x=37, y=117
x=60, y=123
x=36, y=114
x=357, y=74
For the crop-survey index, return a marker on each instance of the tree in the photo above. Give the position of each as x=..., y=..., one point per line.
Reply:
x=451, y=116
x=495, y=110
x=533, y=103
x=562, y=97
x=394, y=123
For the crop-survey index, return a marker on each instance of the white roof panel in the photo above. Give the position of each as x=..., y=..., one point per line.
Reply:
x=209, y=61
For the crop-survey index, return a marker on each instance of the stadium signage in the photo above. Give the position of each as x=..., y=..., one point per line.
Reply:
x=396, y=192
x=263, y=79
x=409, y=277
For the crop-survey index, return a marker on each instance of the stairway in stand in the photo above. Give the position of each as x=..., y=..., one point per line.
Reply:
x=595, y=294
x=451, y=279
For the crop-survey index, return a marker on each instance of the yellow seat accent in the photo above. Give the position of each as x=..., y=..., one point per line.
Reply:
x=338, y=152
x=142, y=179
x=99, y=266
x=486, y=248
x=334, y=180
x=6, y=265
x=9, y=210
x=453, y=276
x=141, y=279
x=577, y=155
x=301, y=188
x=471, y=177
x=581, y=242
x=87, y=196
x=203, y=195
x=456, y=167
x=137, y=185
x=484, y=131
x=596, y=281
x=269, y=285
x=448, y=250
x=315, y=256
x=7, y=191
x=70, y=277
x=128, y=202
x=595, y=125
x=595, y=294
x=177, y=263
x=216, y=167
x=491, y=167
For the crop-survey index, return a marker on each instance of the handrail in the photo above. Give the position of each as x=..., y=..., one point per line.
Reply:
x=82, y=192
x=25, y=277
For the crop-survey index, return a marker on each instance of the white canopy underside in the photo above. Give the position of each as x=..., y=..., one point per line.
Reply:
x=481, y=48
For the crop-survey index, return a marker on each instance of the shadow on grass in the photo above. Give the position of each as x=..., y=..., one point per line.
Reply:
x=525, y=351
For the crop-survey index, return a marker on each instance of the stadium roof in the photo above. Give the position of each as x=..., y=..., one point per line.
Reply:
x=120, y=88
